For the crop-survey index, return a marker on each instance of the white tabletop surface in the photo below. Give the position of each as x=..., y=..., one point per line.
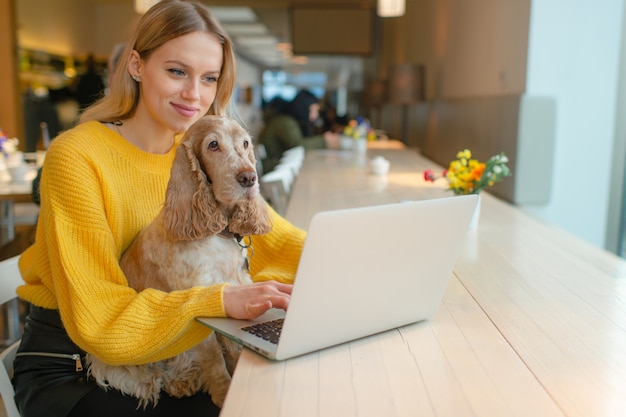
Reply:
x=533, y=322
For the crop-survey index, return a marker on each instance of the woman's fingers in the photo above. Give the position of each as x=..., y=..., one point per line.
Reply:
x=250, y=301
x=255, y=310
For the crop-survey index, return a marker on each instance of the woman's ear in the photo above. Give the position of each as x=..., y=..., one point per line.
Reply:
x=134, y=64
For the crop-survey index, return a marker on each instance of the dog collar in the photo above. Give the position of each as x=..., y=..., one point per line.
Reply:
x=227, y=234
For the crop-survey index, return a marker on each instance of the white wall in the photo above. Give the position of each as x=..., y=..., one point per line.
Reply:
x=68, y=27
x=482, y=55
x=59, y=27
x=574, y=56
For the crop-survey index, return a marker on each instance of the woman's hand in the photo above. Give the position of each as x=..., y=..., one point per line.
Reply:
x=252, y=300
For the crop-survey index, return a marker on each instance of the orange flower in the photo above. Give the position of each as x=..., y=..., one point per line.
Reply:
x=470, y=176
x=477, y=170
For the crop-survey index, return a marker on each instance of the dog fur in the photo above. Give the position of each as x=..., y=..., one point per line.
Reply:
x=212, y=194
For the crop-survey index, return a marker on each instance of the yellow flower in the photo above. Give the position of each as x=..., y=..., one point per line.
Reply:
x=359, y=129
x=470, y=176
x=464, y=154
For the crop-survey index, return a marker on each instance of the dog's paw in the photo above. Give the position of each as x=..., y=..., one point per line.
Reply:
x=218, y=395
x=182, y=376
x=182, y=388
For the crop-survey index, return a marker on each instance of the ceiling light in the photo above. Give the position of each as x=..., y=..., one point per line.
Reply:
x=299, y=60
x=284, y=46
x=235, y=29
x=254, y=41
x=233, y=14
x=390, y=8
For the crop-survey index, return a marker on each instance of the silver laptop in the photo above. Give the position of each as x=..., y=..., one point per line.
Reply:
x=362, y=271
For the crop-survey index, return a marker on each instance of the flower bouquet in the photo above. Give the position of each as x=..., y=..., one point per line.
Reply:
x=470, y=176
x=359, y=128
x=7, y=145
x=10, y=156
x=356, y=134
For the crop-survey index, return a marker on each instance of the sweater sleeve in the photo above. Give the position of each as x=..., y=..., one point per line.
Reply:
x=277, y=253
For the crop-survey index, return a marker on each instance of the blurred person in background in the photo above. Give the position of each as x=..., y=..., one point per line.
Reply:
x=90, y=86
x=114, y=59
x=291, y=123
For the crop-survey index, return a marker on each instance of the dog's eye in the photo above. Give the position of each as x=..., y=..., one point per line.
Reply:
x=246, y=144
x=213, y=145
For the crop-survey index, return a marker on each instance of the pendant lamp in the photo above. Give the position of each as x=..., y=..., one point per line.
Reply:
x=390, y=8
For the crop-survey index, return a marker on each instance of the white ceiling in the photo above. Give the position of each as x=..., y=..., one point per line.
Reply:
x=262, y=36
x=260, y=30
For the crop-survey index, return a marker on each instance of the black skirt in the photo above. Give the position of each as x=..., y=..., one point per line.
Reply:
x=49, y=376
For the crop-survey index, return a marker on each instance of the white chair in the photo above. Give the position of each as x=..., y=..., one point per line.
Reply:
x=260, y=154
x=288, y=157
x=284, y=175
x=6, y=387
x=260, y=151
x=297, y=151
x=276, y=184
x=294, y=166
x=273, y=190
x=292, y=158
x=10, y=279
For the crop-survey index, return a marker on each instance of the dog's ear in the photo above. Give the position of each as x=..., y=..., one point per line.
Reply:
x=251, y=218
x=191, y=211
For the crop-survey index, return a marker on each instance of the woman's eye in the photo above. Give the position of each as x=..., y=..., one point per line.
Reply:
x=210, y=79
x=213, y=145
x=177, y=72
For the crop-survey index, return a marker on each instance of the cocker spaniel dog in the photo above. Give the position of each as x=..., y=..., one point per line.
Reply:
x=212, y=202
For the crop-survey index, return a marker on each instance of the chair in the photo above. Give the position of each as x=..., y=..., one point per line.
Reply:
x=6, y=387
x=284, y=174
x=293, y=164
x=273, y=189
x=297, y=151
x=9, y=281
x=260, y=154
x=292, y=158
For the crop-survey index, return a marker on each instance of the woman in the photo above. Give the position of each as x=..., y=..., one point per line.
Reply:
x=102, y=183
x=290, y=124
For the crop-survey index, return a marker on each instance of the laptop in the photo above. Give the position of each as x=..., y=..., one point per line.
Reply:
x=362, y=271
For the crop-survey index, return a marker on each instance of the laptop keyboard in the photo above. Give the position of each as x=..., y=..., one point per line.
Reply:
x=269, y=330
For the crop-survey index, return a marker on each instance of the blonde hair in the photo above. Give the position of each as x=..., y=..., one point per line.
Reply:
x=164, y=21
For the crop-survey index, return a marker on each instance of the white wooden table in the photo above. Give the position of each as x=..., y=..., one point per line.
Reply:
x=533, y=322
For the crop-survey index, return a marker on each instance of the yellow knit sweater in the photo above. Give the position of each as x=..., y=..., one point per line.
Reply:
x=97, y=192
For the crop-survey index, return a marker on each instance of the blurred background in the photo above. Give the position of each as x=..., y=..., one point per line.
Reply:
x=542, y=81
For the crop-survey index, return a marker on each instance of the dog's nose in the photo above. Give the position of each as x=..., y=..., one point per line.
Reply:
x=247, y=179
